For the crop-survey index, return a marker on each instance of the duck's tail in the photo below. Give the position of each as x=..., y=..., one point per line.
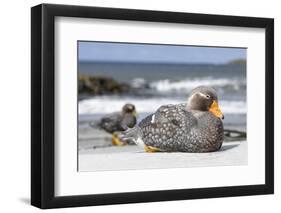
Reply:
x=130, y=133
x=134, y=134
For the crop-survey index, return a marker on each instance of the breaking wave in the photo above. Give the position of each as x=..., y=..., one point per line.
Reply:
x=109, y=104
x=187, y=85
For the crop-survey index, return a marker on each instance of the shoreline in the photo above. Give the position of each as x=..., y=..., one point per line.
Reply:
x=132, y=157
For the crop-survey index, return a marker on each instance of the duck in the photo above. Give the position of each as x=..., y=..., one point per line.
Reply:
x=116, y=122
x=195, y=126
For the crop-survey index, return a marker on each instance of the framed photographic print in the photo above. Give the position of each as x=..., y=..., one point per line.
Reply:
x=139, y=106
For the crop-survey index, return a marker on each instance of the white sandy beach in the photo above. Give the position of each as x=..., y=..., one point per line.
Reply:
x=133, y=157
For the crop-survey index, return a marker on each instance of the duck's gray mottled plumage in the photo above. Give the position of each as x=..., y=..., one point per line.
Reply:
x=187, y=127
x=119, y=121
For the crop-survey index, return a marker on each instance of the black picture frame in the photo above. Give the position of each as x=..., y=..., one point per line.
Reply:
x=43, y=102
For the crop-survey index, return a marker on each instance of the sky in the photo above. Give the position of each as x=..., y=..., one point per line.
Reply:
x=147, y=53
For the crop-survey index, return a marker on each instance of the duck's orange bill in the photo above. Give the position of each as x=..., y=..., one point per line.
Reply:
x=216, y=110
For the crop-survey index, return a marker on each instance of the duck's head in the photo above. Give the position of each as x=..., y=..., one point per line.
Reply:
x=204, y=99
x=129, y=109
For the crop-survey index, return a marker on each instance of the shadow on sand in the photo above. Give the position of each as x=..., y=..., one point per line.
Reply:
x=228, y=147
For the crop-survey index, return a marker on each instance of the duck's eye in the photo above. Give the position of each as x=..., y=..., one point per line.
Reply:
x=207, y=96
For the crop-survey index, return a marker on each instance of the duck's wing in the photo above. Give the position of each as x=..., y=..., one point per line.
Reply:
x=162, y=128
x=176, y=114
x=169, y=117
x=162, y=115
x=111, y=122
x=148, y=120
x=128, y=121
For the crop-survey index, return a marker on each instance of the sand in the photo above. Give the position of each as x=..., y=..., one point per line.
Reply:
x=102, y=158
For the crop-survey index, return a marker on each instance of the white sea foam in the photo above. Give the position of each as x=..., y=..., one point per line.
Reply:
x=189, y=84
x=109, y=104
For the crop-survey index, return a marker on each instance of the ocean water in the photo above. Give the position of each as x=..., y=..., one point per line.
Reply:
x=159, y=84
